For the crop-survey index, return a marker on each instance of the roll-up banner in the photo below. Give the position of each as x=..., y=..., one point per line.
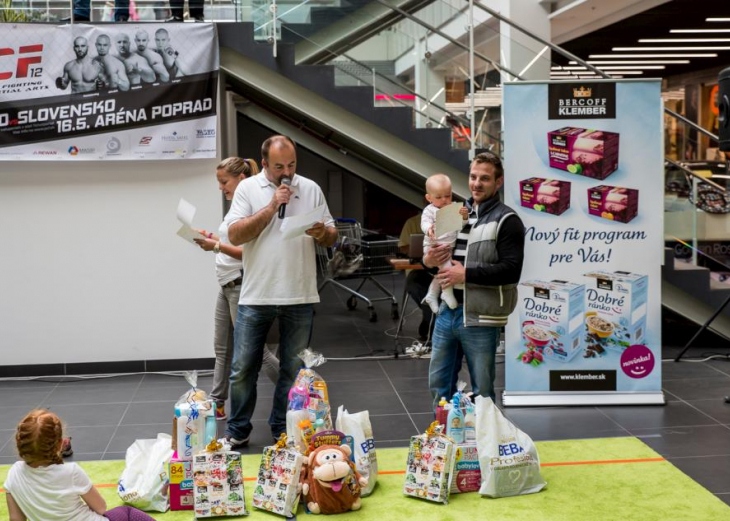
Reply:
x=584, y=171
x=108, y=92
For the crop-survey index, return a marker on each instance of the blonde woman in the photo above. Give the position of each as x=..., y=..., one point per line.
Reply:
x=229, y=269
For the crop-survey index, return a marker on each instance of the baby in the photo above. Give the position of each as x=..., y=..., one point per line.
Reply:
x=438, y=193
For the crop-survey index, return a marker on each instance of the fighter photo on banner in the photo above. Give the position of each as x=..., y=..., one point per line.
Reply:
x=126, y=91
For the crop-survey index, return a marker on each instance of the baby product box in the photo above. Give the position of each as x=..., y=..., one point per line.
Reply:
x=181, y=484
x=218, y=484
x=614, y=203
x=430, y=466
x=545, y=195
x=590, y=153
x=616, y=308
x=195, y=427
x=467, y=473
x=551, y=317
x=278, y=480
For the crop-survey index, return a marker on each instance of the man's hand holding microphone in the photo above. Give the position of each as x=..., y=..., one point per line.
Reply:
x=281, y=199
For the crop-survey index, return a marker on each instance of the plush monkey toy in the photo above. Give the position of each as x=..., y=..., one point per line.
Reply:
x=330, y=482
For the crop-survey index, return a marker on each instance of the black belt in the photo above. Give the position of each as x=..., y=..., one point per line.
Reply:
x=233, y=283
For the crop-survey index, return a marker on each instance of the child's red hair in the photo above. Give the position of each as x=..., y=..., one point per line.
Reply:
x=38, y=437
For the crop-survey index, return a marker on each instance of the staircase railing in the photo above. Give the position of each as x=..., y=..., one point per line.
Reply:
x=389, y=90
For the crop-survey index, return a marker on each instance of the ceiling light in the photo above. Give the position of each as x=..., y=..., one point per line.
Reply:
x=610, y=67
x=699, y=31
x=715, y=48
x=717, y=19
x=630, y=67
x=622, y=56
x=625, y=72
x=585, y=73
x=684, y=40
x=626, y=62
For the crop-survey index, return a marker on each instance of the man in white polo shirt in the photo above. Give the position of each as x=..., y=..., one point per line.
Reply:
x=279, y=280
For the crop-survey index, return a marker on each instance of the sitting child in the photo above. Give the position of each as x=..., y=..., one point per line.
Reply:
x=438, y=193
x=42, y=486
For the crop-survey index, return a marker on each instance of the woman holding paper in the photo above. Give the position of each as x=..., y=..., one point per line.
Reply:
x=230, y=172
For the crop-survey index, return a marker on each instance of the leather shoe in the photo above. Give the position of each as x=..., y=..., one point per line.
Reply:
x=175, y=19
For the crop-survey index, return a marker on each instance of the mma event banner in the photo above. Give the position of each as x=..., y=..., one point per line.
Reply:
x=584, y=171
x=108, y=92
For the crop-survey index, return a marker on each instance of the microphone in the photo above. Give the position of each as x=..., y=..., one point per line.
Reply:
x=282, y=209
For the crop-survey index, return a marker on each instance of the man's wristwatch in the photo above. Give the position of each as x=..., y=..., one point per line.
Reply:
x=217, y=247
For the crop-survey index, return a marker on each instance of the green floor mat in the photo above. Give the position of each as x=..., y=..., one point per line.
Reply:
x=599, y=479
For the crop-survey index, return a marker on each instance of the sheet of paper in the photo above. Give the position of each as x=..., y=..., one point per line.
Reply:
x=448, y=219
x=186, y=214
x=296, y=225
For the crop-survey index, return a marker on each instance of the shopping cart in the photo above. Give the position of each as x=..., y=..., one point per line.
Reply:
x=358, y=254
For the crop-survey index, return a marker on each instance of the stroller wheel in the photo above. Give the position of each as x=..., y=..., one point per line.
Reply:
x=373, y=316
x=394, y=312
x=351, y=303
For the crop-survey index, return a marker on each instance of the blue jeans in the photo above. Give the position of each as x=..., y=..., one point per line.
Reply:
x=82, y=8
x=479, y=344
x=252, y=325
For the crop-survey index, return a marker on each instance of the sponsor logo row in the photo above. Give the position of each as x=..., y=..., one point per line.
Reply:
x=114, y=146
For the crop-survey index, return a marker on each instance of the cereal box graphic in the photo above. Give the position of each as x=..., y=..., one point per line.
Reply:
x=580, y=151
x=545, y=195
x=430, y=465
x=218, y=484
x=551, y=317
x=616, y=309
x=614, y=203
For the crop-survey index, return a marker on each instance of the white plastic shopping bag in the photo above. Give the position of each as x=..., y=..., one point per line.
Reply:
x=358, y=426
x=507, y=456
x=145, y=480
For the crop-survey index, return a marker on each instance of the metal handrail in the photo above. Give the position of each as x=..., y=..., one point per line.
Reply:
x=582, y=62
x=689, y=172
x=691, y=124
x=392, y=81
x=448, y=38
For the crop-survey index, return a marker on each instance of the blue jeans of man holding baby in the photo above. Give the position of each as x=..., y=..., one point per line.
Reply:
x=479, y=345
x=252, y=325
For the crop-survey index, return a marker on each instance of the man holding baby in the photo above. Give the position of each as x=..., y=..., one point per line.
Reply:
x=486, y=263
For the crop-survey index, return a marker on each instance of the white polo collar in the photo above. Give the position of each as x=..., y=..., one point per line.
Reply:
x=264, y=181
